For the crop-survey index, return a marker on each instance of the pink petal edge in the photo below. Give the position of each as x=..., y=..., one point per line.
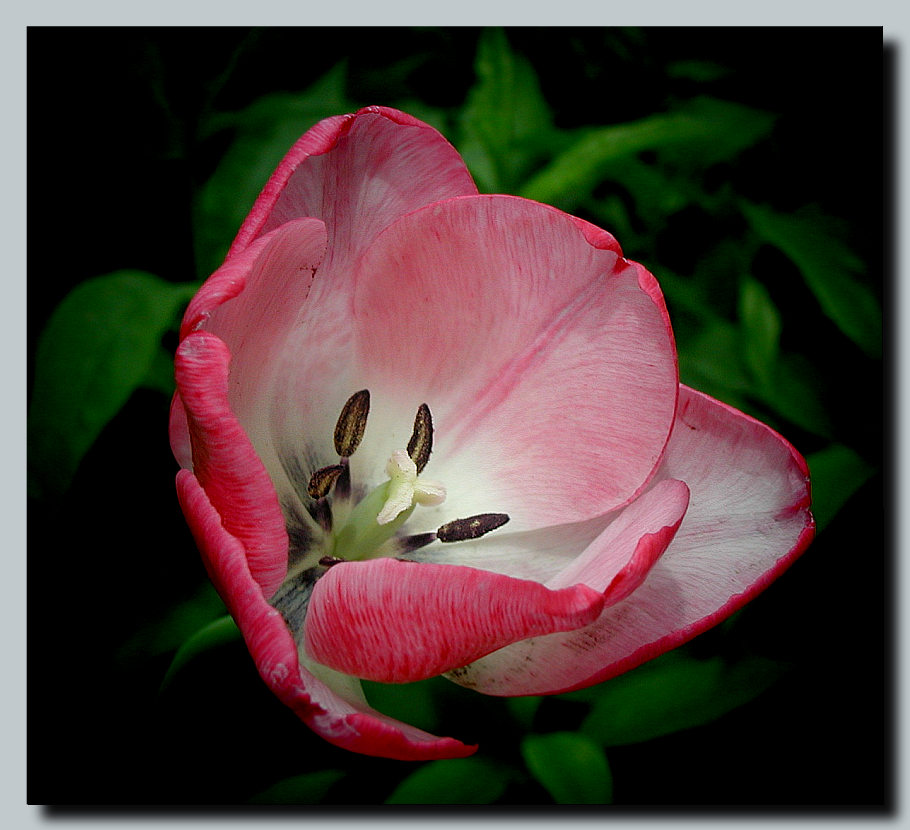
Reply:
x=396, y=622
x=322, y=138
x=619, y=559
x=272, y=648
x=798, y=507
x=623, y=627
x=230, y=279
x=179, y=433
x=225, y=462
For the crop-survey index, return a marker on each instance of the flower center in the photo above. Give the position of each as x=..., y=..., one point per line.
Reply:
x=371, y=528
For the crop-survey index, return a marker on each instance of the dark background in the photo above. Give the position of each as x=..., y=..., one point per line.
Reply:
x=117, y=153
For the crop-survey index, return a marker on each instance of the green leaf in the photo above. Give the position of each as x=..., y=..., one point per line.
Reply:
x=505, y=118
x=761, y=326
x=173, y=626
x=308, y=788
x=701, y=132
x=711, y=130
x=571, y=767
x=797, y=395
x=814, y=243
x=675, y=692
x=456, y=781
x=263, y=134
x=684, y=294
x=99, y=345
x=656, y=194
x=218, y=633
x=715, y=361
x=410, y=702
x=524, y=709
x=160, y=374
x=696, y=70
x=712, y=360
x=837, y=473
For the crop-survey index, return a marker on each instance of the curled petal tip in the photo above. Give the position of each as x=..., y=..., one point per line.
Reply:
x=397, y=622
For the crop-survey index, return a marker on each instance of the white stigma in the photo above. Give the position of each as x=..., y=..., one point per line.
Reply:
x=405, y=489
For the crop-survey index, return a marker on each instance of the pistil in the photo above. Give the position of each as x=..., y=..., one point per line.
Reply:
x=405, y=489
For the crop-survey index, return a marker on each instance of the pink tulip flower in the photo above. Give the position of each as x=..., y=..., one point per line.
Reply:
x=424, y=431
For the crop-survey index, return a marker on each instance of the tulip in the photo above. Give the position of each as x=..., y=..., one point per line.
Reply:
x=424, y=432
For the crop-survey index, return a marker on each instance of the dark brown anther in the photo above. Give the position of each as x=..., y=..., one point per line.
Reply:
x=328, y=561
x=471, y=528
x=421, y=444
x=351, y=423
x=322, y=480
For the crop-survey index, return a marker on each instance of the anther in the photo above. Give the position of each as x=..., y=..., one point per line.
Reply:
x=328, y=561
x=322, y=480
x=471, y=528
x=351, y=423
x=421, y=444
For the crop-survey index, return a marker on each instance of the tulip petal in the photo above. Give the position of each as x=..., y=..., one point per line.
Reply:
x=533, y=343
x=397, y=622
x=355, y=174
x=643, y=529
x=358, y=173
x=530, y=554
x=611, y=554
x=179, y=433
x=336, y=711
x=748, y=519
x=225, y=462
x=252, y=304
x=226, y=373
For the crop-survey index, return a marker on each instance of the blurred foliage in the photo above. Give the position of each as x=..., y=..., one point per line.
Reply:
x=99, y=345
x=506, y=125
x=700, y=132
x=259, y=135
x=571, y=767
x=815, y=244
x=309, y=788
x=457, y=781
x=708, y=167
x=216, y=633
x=672, y=692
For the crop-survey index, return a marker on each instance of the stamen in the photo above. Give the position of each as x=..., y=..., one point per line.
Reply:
x=352, y=422
x=321, y=511
x=343, y=485
x=421, y=444
x=471, y=528
x=415, y=541
x=322, y=480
